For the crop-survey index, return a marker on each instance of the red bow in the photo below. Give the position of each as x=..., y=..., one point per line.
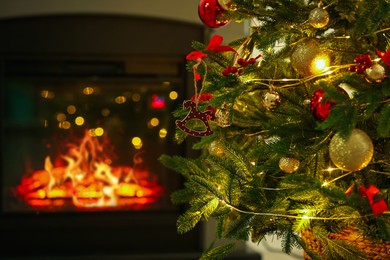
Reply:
x=385, y=56
x=214, y=45
x=379, y=206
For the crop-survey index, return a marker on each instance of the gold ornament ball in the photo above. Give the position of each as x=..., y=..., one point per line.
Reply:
x=353, y=153
x=376, y=73
x=308, y=59
x=288, y=164
x=318, y=18
x=216, y=149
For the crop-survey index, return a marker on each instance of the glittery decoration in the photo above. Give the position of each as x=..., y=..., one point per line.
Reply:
x=216, y=149
x=319, y=106
x=222, y=116
x=271, y=100
x=376, y=73
x=353, y=153
x=195, y=114
x=288, y=164
x=318, y=18
x=304, y=56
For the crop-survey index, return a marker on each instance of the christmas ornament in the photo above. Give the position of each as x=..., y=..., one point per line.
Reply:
x=214, y=45
x=352, y=153
x=216, y=149
x=363, y=62
x=227, y=5
x=320, y=107
x=222, y=116
x=308, y=59
x=376, y=73
x=288, y=164
x=318, y=18
x=195, y=114
x=385, y=56
x=271, y=100
x=378, y=205
x=212, y=14
x=346, y=88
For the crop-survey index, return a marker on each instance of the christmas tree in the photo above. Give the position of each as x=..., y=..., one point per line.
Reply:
x=293, y=125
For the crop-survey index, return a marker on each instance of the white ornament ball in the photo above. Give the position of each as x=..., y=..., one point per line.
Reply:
x=375, y=73
x=271, y=100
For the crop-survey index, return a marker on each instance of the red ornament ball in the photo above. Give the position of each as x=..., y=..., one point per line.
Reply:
x=319, y=106
x=212, y=14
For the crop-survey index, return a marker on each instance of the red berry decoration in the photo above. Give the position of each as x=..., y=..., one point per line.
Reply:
x=320, y=107
x=363, y=62
x=212, y=14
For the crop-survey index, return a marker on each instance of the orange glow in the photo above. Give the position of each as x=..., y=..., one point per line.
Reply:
x=85, y=178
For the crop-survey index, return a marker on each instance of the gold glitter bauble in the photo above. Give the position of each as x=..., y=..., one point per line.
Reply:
x=353, y=153
x=376, y=73
x=288, y=164
x=216, y=149
x=222, y=116
x=308, y=59
x=318, y=18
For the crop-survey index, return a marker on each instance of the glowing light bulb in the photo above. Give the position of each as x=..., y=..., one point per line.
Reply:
x=163, y=133
x=99, y=131
x=88, y=90
x=137, y=142
x=154, y=122
x=173, y=95
x=47, y=94
x=320, y=63
x=61, y=117
x=79, y=121
x=71, y=109
x=120, y=99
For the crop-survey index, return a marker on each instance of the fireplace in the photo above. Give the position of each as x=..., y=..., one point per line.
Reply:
x=85, y=113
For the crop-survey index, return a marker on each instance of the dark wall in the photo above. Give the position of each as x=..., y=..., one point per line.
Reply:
x=134, y=44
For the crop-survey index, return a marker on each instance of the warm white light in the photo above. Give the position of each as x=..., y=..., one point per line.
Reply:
x=137, y=142
x=64, y=125
x=120, y=99
x=99, y=131
x=88, y=90
x=61, y=117
x=71, y=109
x=163, y=133
x=173, y=95
x=154, y=122
x=320, y=63
x=47, y=94
x=79, y=121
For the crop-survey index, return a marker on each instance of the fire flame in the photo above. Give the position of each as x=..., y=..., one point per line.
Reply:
x=88, y=180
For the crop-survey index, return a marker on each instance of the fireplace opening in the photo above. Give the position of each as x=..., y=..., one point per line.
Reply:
x=87, y=145
x=84, y=118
